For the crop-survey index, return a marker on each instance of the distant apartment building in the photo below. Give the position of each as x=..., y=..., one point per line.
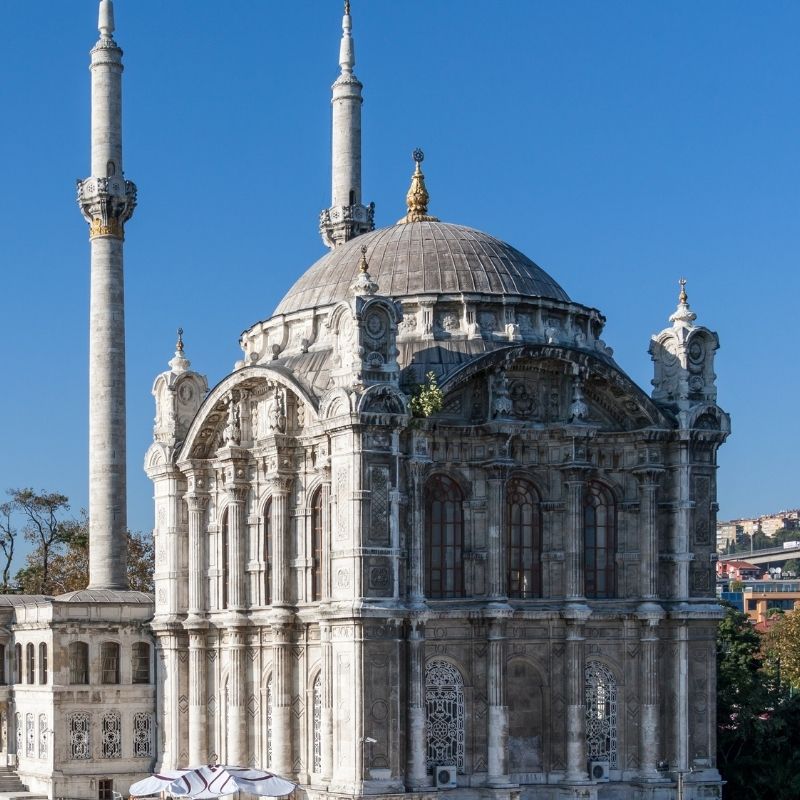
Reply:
x=733, y=531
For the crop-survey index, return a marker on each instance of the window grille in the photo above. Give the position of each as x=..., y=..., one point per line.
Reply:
x=42, y=663
x=524, y=538
x=142, y=735
x=79, y=662
x=43, y=734
x=18, y=730
x=444, y=529
x=140, y=662
x=316, y=733
x=444, y=714
x=269, y=722
x=30, y=737
x=79, y=735
x=30, y=661
x=601, y=712
x=112, y=735
x=316, y=546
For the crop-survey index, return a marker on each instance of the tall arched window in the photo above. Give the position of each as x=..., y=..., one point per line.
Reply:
x=30, y=662
x=599, y=542
x=78, y=662
x=109, y=656
x=224, y=577
x=17, y=663
x=316, y=724
x=524, y=537
x=444, y=530
x=140, y=662
x=316, y=546
x=2, y=663
x=444, y=714
x=601, y=712
x=268, y=553
x=42, y=663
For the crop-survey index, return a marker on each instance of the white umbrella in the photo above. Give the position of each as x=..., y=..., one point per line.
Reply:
x=213, y=781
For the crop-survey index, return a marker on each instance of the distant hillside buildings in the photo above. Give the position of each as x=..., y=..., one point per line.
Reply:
x=734, y=531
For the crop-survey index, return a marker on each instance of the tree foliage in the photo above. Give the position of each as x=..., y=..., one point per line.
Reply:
x=428, y=397
x=783, y=647
x=758, y=718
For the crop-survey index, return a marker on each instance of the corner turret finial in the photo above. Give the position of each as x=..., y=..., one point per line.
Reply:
x=683, y=316
x=105, y=23
x=179, y=345
x=179, y=363
x=417, y=198
x=364, y=285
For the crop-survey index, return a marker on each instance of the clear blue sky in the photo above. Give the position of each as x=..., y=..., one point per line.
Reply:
x=619, y=144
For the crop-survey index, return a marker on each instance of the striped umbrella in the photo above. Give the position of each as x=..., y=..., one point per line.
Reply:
x=213, y=780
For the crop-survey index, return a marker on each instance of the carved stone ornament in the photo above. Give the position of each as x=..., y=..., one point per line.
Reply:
x=232, y=432
x=501, y=400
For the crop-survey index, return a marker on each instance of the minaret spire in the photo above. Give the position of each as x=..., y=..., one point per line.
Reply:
x=107, y=201
x=347, y=217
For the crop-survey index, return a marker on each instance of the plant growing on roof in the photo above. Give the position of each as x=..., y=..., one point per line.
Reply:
x=428, y=397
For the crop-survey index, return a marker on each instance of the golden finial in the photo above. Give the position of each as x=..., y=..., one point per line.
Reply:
x=179, y=345
x=417, y=197
x=683, y=298
x=362, y=265
x=346, y=7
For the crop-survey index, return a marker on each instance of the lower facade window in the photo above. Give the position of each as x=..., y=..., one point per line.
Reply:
x=601, y=713
x=112, y=735
x=142, y=735
x=79, y=735
x=444, y=714
x=105, y=789
x=43, y=734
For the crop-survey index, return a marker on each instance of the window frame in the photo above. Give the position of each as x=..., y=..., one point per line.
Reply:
x=444, y=533
x=524, y=540
x=599, y=543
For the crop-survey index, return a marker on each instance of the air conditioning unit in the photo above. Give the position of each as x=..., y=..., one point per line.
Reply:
x=599, y=771
x=445, y=777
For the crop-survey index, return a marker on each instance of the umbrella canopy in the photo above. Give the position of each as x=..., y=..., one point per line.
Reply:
x=213, y=781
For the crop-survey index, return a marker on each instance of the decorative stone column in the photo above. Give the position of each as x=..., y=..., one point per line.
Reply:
x=237, y=712
x=497, y=474
x=649, y=730
x=575, y=479
x=574, y=690
x=236, y=550
x=281, y=487
x=198, y=734
x=327, y=701
x=498, y=710
x=198, y=503
x=649, y=478
x=282, y=700
x=418, y=470
x=325, y=503
x=416, y=769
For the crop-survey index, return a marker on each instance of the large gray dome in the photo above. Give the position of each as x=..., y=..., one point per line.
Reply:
x=422, y=258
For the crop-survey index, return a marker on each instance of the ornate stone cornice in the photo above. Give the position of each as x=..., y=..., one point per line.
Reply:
x=106, y=204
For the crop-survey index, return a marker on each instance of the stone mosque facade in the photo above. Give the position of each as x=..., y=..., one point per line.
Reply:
x=511, y=597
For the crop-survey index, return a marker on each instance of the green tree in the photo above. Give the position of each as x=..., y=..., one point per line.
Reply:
x=8, y=539
x=791, y=567
x=783, y=647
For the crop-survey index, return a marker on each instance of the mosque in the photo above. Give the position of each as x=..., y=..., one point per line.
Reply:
x=426, y=537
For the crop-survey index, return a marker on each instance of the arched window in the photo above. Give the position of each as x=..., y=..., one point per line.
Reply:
x=30, y=662
x=140, y=662
x=2, y=663
x=599, y=542
x=224, y=587
x=42, y=663
x=601, y=712
x=444, y=530
x=268, y=553
x=444, y=714
x=316, y=546
x=78, y=662
x=524, y=537
x=17, y=663
x=316, y=724
x=109, y=656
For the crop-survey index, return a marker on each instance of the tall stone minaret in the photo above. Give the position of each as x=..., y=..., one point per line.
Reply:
x=347, y=217
x=107, y=201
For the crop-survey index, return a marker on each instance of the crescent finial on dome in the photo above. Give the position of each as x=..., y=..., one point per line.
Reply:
x=417, y=198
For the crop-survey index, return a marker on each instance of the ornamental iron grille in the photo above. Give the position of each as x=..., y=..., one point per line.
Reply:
x=268, y=553
x=601, y=712
x=30, y=736
x=18, y=729
x=316, y=546
x=599, y=540
x=269, y=722
x=43, y=734
x=79, y=741
x=142, y=735
x=444, y=533
x=112, y=735
x=524, y=536
x=316, y=724
x=444, y=714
